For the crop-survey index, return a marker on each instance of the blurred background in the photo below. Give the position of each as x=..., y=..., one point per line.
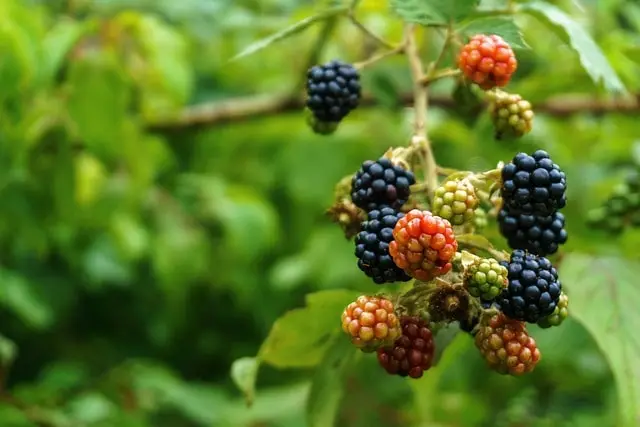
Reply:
x=145, y=243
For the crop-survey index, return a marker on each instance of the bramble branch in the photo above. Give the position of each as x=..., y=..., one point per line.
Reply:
x=251, y=107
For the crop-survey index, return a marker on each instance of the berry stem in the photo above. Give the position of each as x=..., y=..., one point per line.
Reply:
x=379, y=57
x=433, y=67
x=421, y=103
x=352, y=17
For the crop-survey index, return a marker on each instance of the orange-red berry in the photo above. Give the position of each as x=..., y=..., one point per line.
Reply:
x=488, y=61
x=506, y=346
x=370, y=322
x=413, y=351
x=423, y=245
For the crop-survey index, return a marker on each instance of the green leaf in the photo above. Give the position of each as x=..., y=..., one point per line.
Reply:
x=289, y=31
x=591, y=56
x=605, y=296
x=8, y=351
x=18, y=294
x=430, y=12
x=426, y=389
x=633, y=53
x=98, y=99
x=244, y=372
x=301, y=337
x=503, y=27
x=327, y=388
x=57, y=43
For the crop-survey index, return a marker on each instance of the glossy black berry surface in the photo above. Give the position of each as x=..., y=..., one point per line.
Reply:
x=533, y=184
x=372, y=247
x=333, y=90
x=533, y=290
x=381, y=183
x=540, y=235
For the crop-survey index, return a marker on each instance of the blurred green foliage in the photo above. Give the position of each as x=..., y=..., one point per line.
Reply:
x=138, y=262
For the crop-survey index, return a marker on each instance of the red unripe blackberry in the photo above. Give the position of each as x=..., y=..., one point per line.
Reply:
x=488, y=61
x=333, y=90
x=413, y=351
x=424, y=245
x=506, y=346
x=370, y=322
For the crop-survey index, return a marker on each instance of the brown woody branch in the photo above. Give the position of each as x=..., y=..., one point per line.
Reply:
x=250, y=107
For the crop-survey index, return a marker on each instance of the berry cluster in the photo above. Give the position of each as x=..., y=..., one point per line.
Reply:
x=533, y=290
x=381, y=183
x=372, y=246
x=533, y=189
x=455, y=201
x=622, y=209
x=333, y=91
x=371, y=322
x=488, y=61
x=512, y=116
x=397, y=239
x=506, y=345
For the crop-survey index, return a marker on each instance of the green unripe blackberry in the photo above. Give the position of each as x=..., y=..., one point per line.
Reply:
x=455, y=201
x=560, y=313
x=479, y=223
x=486, y=278
x=512, y=116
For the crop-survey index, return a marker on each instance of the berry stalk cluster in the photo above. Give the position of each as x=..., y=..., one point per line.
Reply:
x=621, y=209
x=399, y=238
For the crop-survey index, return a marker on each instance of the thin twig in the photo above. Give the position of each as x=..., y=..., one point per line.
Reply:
x=428, y=79
x=351, y=15
x=433, y=67
x=421, y=104
x=379, y=57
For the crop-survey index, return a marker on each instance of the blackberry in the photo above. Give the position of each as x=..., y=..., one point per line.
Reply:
x=455, y=201
x=485, y=279
x=381, y=183
x=533, y=184
x=372, y=246
x=413, y=351
x=333, y=90
x=488, y=61
x=540, y=235
x=371, y=322
x=512, y=116
x=424, y=245
x=506, y=346
x=533, y=291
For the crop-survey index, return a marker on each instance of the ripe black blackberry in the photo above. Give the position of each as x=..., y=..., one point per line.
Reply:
x=533, y=184
x=381, y=183
x=333, y=90
x=540, y=235
x=533, y=290
x=372, y=246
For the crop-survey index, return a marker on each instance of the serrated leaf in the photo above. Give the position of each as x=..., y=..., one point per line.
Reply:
x=289, y=31
x=503, y=27
x=244, y=372
x=327, y=388
x=605, y=296
x=430, y=12
x=591, y=57
x=301, y=337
